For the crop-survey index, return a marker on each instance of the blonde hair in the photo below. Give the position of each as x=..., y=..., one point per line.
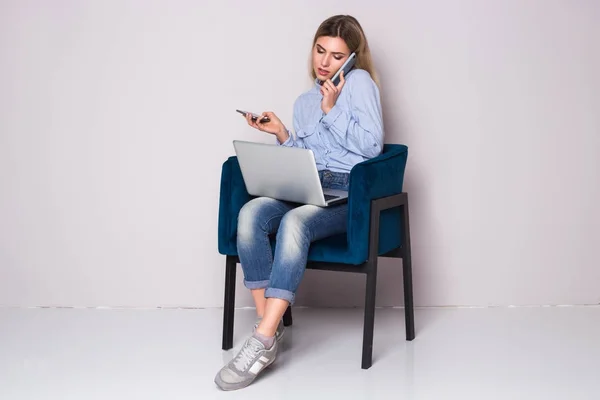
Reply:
x=349, y=30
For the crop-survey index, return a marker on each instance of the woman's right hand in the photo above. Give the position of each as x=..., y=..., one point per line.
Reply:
x=274, y=126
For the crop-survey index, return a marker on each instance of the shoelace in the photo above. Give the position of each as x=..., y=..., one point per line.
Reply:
x=246, y=355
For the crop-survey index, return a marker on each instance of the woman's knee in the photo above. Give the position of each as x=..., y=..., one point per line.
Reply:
x=252, y=218
x=295, y=224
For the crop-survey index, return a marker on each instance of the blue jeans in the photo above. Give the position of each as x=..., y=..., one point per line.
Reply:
x=296, y=226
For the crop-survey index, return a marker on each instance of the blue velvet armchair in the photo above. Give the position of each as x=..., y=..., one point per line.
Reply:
x=378, y=226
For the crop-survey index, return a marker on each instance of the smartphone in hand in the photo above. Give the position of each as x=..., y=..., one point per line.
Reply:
x=254, y=116
x=346, y=67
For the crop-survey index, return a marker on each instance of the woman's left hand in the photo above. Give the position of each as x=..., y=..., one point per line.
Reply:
x=331, y=93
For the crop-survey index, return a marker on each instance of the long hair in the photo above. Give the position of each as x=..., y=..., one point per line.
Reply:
x=348, y=28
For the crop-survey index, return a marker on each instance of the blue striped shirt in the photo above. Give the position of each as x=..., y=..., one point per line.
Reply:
x=350, y=133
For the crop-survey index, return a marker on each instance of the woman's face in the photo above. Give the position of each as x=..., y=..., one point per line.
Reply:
x=328, y=55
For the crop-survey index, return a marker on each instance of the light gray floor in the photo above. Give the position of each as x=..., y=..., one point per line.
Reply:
x=498, y=353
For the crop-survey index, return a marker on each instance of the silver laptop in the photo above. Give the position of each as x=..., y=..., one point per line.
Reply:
x=284, y=173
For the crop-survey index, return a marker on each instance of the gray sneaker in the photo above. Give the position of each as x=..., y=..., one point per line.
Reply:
x=278, y=333
x=246, y=365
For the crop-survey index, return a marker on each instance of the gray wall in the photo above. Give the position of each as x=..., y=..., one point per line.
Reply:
x=115, y=117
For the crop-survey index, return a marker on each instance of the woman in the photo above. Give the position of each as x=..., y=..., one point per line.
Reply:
x=343, y=126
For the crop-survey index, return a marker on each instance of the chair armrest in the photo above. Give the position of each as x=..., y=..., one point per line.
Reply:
x=233, y=195
x=378, y=177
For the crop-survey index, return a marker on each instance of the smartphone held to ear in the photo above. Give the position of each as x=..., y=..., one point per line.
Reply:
x=254, y=116
x=346, y=67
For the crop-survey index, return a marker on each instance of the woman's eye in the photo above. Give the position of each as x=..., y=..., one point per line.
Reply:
x=320, y=51
x=338, y=58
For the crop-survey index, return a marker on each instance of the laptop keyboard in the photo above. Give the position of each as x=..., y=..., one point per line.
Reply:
x=330, y=197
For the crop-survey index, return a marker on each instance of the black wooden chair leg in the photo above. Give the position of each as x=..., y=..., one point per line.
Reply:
x=369, y=324
x=229, y=304
x=409, y=313
x=287, y=317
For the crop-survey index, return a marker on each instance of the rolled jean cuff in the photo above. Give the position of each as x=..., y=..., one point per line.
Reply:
x=256, y=284
x=280, y=294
